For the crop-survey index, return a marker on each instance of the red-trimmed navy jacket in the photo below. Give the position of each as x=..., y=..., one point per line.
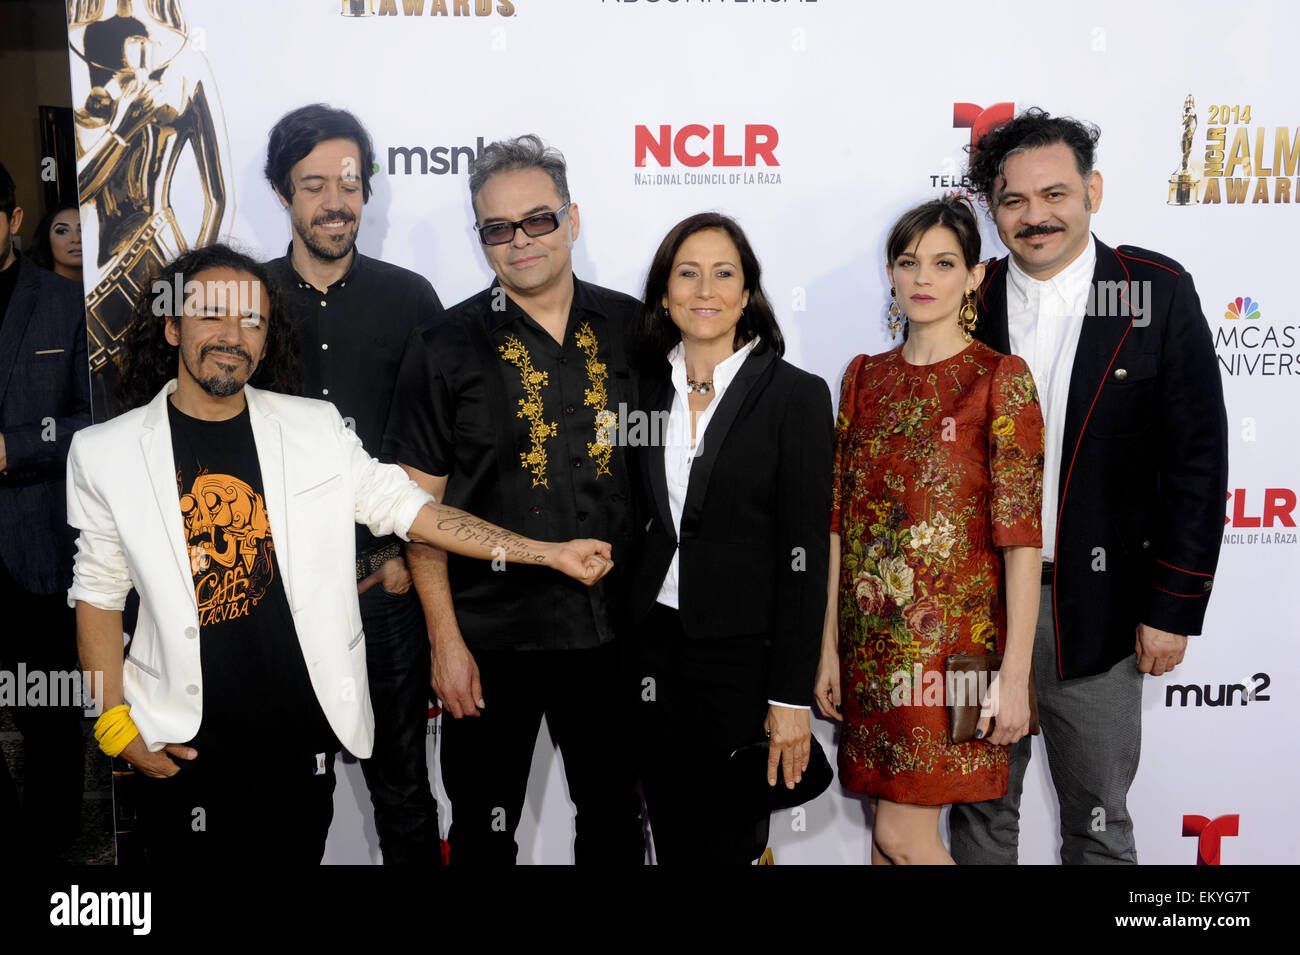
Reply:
x=1144, y=466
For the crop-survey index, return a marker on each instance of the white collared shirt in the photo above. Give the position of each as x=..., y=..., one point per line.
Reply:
x=1044, y=319
x=678, y=453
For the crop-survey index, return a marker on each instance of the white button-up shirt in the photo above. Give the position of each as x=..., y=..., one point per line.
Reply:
x=1044, y=319
x=678, y=452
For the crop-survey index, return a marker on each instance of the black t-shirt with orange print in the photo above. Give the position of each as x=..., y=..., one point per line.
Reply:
x=256, y=691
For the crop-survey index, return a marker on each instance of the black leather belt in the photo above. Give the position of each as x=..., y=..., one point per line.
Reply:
x=1049, y=573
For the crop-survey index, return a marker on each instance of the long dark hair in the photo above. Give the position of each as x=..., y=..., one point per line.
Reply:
x=655, y=334
x=42, y=251
x=148, y=361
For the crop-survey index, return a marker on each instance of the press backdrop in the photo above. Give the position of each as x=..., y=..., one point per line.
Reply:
x=814, y=124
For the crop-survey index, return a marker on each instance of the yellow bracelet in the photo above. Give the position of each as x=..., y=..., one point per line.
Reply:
x=115, y=729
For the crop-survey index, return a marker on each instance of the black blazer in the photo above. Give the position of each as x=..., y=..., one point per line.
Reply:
x=1144, y=464
x=44, y=398
x=755, y=539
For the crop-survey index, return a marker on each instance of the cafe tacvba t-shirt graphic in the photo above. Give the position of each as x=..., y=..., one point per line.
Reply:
x=230, y=546
x=254, y=673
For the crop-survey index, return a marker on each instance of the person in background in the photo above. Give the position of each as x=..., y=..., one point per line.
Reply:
x=44, y=400
x=57, y=243
x=353, y=314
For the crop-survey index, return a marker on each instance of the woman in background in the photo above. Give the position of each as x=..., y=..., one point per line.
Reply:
x=729, y=589
x=935, y=542
x=57, y=243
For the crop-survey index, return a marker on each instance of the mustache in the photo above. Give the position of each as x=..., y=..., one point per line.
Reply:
x=334, y=217
x=1028, y=232
x=222, y=350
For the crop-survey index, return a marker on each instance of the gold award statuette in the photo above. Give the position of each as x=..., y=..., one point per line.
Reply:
x=148, y=112
x=1182, y=184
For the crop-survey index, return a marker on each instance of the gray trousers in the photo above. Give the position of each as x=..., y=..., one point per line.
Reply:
x=1092, y=728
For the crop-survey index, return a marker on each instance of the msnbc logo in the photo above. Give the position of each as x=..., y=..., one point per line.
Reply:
x=1243, y=308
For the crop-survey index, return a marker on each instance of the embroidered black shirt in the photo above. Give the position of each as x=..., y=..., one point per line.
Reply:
x=351, y=338
x=526, y=430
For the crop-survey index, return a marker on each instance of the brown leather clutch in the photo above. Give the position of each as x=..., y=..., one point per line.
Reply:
x=965, y=688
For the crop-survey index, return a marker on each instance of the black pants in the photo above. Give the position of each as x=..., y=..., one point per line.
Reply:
x=229, y=809
x=698, y=701
x=486, y=759
x=397, y=773
x=40, y=632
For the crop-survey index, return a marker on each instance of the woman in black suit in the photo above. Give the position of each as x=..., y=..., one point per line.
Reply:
x=735, y=455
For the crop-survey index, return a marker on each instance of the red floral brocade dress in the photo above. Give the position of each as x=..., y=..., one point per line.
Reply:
x=936, y=468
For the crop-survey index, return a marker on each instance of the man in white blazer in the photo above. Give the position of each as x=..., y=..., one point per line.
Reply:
x=230, y=509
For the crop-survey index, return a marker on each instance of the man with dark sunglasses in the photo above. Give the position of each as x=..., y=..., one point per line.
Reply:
x=510, y=405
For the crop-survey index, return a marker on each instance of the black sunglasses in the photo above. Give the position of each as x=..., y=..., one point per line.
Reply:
x=544, y=223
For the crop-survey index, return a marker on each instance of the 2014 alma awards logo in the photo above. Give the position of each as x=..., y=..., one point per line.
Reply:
x=437, y=8
x=1239, y=163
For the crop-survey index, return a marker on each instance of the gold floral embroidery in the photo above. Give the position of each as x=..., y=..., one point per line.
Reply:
x=531, y=408
x=602, y=448
x=925, y=752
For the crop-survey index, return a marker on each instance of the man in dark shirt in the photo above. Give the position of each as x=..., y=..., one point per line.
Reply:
x=509, y=405
x=44, y=398
x=354, y=314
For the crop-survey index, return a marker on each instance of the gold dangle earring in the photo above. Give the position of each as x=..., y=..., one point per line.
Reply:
x=968, y=315
x=896, y=316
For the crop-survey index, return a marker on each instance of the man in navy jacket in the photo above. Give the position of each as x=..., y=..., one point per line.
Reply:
x=1134, y=478
x=44, y=398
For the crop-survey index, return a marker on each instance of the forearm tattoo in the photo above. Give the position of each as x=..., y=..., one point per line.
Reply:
x=467, y=528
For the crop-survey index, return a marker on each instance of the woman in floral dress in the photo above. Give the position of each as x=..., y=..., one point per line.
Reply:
x=935, y=543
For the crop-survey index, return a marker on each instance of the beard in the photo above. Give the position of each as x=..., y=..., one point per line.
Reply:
x=323, y=250
x=223, y=384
